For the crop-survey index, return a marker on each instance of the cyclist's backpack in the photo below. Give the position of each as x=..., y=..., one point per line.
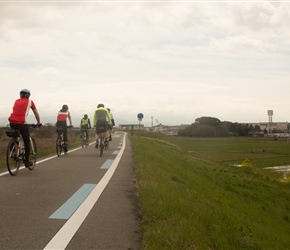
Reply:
x=101, y=116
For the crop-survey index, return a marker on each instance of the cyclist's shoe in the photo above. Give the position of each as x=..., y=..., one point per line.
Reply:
x=110, y=138
x=28, y=164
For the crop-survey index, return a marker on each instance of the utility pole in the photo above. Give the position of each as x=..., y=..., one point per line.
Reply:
x=270, y=114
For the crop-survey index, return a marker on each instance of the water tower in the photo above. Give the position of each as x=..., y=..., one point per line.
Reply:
x=270, y=114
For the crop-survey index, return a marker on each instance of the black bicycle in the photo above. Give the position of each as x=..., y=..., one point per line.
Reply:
x=84, y=139
x=15, y=153
x=60, y=145
x=104, y=143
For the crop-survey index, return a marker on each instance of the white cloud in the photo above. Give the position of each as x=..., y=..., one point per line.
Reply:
x=172, y=61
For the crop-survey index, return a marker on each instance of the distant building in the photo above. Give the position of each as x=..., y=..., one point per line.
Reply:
x=273, y=126
x=130, y=126
x=168, y=130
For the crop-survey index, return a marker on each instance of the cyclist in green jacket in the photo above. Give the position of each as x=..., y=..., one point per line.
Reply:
x=85, y=125
x=102, y=119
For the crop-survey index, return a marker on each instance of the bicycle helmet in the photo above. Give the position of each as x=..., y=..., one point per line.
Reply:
x=64, y=106
x=101, y=105
x=24, y=93
x=85, y=116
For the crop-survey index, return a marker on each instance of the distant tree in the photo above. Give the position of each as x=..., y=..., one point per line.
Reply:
x=257, y=128
x=205, y=127
x=241, y=129
x=210, y=126
x=206, y=120
x=222, y=130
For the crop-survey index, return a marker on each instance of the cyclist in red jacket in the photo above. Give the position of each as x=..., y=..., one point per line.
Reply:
x=18, y=117
x=62, y=116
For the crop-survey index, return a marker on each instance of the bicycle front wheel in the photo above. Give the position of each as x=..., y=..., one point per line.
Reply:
x=33, y=153
x=58, y=147
x=12, y=159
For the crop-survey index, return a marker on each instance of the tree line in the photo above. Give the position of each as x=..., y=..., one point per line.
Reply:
x=212, y=127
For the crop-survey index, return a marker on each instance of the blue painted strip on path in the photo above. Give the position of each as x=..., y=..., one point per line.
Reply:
x=116, y=152
x=119, y=146
x=72, y=204
x=107, y=164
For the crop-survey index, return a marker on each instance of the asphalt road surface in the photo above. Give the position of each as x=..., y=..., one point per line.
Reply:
x=75, y=201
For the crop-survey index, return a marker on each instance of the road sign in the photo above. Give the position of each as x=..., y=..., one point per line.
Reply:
x=140, y=116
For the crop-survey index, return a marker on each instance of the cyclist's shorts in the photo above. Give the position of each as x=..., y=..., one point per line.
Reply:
x=59, y=129
x=101, y=127
x=84, y=129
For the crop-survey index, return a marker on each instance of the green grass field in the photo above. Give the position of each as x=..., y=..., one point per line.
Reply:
x=193, y=196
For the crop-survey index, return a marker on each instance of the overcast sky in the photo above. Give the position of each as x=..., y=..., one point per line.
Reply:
x=173, y=61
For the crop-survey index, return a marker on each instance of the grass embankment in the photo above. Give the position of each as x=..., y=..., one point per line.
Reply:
x=192, y=197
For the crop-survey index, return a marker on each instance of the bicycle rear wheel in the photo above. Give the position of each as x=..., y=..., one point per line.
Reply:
x=12, y=159
x=83, y=140
x=101, y=148
x=33, y=153
x=58, y=147
x=106, y=145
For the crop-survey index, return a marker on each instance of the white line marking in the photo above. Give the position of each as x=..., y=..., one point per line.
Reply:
x=65, y=234
x=46, y=159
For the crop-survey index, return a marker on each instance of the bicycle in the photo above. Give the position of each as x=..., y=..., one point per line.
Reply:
x=84, y=139
x=104, y=143
x=16, y=151
x=60, y=145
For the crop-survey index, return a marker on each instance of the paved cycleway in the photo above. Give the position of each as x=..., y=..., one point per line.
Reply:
x=75, y=201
